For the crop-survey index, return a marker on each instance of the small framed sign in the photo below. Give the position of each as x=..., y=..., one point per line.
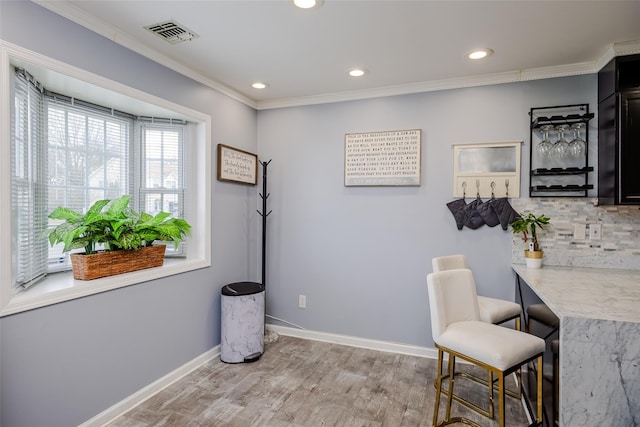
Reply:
x=236, y=165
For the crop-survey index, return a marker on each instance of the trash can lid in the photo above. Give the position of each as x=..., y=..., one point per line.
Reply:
x=242, y=288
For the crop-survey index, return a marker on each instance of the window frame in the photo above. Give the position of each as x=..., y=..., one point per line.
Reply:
x=67, y=109
x=198, y=180
x=141, y=191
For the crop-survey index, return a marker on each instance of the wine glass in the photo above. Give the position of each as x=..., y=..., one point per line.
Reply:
x=560, y=149
x=577, y=146
x=544, y=147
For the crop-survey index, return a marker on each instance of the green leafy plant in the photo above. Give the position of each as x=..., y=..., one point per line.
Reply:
x=115, y=226
x=527, y=225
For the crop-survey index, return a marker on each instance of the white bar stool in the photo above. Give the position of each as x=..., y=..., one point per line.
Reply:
x=458, y=331
x=492, y=310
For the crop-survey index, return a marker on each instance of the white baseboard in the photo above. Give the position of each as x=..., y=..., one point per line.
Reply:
x=390, y=347
x=145, y=393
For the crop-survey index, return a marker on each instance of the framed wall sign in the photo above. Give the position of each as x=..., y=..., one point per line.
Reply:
x=390, y=158
x=236, y=165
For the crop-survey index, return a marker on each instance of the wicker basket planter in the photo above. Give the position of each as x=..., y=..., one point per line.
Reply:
x=89, y=267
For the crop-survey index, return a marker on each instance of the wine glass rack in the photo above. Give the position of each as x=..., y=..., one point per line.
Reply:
x=558, y=177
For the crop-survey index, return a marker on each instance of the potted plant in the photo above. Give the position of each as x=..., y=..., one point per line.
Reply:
x=116, y=239
x=528, y=225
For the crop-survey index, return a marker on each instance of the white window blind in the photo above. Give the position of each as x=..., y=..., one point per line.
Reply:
x=28, y=184
x=88, y=160
x=162, y=170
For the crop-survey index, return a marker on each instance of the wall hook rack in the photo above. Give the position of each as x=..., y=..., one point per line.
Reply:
x=483, y=163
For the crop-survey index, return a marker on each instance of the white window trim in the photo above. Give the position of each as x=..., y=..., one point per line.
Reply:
x=62, y=287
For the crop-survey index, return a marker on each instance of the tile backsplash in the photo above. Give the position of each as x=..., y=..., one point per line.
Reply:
x=619, y=244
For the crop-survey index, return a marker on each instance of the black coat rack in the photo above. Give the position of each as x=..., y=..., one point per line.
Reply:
x=264, y=214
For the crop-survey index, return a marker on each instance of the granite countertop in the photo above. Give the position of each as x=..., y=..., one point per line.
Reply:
x=594, y=293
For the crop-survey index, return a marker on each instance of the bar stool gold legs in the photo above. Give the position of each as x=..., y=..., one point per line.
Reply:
x=489, y=413
x=438, y=383
x=500, y=375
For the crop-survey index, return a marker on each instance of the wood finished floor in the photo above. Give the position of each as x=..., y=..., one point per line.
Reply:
x=300, y=382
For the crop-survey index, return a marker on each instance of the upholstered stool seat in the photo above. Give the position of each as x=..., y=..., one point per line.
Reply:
x=458, y=331
x=501, y=348
x=493, y=310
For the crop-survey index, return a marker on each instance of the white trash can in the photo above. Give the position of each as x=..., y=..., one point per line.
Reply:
x=242, y=323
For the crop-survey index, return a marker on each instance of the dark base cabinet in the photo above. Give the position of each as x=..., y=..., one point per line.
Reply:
x=526, y=297
x=619, y=132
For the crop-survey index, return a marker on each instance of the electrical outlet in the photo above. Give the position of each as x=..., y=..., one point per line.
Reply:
x=595, y=231
x=579, y=231
x=302, y=301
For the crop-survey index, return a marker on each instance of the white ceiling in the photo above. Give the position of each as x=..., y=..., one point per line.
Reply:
x=407, y=46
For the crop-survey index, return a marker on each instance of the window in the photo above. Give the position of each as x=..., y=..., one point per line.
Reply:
x=61, y=151
x=88, y=160
x=161, y=183
x=81, y=153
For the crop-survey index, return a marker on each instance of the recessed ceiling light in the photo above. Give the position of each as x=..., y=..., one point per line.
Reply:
x=479, y=53
x=357, y=72
x=307, y=4
x=260, y=85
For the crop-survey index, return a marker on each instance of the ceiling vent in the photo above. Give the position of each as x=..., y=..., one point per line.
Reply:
x=172, y=32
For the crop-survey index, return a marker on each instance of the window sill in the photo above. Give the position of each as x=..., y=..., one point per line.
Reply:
x=60, y=287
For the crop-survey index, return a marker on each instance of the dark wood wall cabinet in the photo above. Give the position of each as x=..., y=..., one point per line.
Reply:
x=619, y=132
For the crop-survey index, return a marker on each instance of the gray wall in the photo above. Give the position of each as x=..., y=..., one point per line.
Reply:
x=361, y=255
x=63, y=364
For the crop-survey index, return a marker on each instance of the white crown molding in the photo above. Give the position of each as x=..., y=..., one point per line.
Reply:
x=604, y=59
x=627, y=48
x=436, y=85
x=76, y=15
x=617, y=49
x=458, y=83
x=73, y=13
x=558, y=71
x=428, y=86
